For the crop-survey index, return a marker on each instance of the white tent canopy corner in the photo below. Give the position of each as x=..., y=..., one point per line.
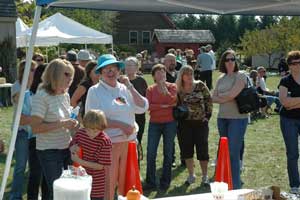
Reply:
x=58, y=29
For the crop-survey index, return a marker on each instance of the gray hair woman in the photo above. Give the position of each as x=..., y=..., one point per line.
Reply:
x=140, y=84
x=120, y=102
x=193, y=131
x=51, y=120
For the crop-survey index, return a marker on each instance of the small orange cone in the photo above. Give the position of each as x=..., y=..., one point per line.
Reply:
x=132, y=170
x=80, y=154
x=223, y=167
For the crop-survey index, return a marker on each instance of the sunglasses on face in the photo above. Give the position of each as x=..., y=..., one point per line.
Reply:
x=68, y=74
x=39, y=60
x=294, y=63
x=229, y=59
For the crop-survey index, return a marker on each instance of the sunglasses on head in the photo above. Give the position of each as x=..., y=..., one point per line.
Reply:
x=229, y=59
x=294, y=63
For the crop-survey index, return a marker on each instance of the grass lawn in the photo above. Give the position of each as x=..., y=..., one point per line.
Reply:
x=264, y=158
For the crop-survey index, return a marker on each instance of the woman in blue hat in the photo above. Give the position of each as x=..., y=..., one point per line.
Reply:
x=120, y=102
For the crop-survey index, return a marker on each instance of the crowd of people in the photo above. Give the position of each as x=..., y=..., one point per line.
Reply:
x=113, y=97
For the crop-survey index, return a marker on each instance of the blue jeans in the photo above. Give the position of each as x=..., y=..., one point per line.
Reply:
x=168, y=132
x=234, y=130
x=290, y=129
x=21, y=157
x=53, y=161
x=273, y=99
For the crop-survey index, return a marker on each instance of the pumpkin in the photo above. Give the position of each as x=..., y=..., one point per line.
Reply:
x=133, y=194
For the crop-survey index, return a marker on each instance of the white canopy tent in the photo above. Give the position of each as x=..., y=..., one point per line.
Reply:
x=58, y=29
x=244, y=7
x=21, y=33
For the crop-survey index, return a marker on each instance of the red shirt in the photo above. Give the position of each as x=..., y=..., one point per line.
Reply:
x=99, y=150
x=159, y=114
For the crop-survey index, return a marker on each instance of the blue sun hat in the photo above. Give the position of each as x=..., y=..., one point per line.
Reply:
x=108, y=59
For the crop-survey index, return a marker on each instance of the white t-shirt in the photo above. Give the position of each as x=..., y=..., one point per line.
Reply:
x=52, y=108
x=261, y=83
x=117, y=104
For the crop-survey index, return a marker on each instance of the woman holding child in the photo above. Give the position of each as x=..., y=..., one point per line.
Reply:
x=120, y=102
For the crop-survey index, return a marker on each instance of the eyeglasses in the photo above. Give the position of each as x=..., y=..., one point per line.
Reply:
x=229, y=59
x=68, y=74
x=294, y=63
x=110, y=69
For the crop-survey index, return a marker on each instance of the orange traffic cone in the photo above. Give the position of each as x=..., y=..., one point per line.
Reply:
x=79, y=153
x=223, y=167
x=132, y=170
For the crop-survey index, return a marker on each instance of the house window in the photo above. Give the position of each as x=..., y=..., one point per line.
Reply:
x=146, y=37
x=133, y=37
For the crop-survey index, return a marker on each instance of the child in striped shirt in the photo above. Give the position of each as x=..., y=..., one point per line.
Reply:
x=97, y=150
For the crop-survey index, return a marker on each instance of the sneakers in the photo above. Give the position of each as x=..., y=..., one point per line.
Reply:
x=190, y=180
x=294, y=190
x=205, y=181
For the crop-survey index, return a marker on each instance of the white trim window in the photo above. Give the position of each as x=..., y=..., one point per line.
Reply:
x=146, y=37
x=133, y=37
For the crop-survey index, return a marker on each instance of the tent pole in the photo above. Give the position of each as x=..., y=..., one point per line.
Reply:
x=58, y=51
x=37, y=15
x=85, y=46
x=47, y=55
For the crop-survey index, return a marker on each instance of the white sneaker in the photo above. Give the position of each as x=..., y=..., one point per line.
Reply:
x=294, y=190
x=205, y=180
x=190, y=180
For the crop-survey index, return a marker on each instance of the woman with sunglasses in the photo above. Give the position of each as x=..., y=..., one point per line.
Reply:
x=120, y=101
x=231, y=123
x=51, y=122
x=289, y=95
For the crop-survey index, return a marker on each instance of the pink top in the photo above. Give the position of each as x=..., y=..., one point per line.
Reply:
x=159, y=114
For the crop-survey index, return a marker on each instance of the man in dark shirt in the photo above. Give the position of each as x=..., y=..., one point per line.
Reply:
x=79, y=71
x=170, y=64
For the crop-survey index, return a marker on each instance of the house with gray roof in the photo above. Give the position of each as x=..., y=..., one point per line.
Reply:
x=165, y=39
x=8, y=17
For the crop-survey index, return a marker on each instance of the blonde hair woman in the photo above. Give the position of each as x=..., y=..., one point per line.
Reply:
x=51, y=120
x=193, y=131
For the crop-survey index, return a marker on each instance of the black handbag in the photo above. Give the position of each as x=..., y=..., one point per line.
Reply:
x=247, y=100
x=180, y=112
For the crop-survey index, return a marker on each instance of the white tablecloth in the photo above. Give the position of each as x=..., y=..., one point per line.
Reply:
x=230, y=195
x=72, y=188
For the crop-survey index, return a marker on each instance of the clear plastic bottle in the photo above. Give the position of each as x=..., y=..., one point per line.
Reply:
x=75, y=112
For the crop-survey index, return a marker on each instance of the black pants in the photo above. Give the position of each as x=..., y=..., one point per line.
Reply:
x=35, y=174
x=140, y=120
x=206, y=77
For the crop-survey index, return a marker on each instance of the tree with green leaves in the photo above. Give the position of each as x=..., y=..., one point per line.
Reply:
x=276, y=38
